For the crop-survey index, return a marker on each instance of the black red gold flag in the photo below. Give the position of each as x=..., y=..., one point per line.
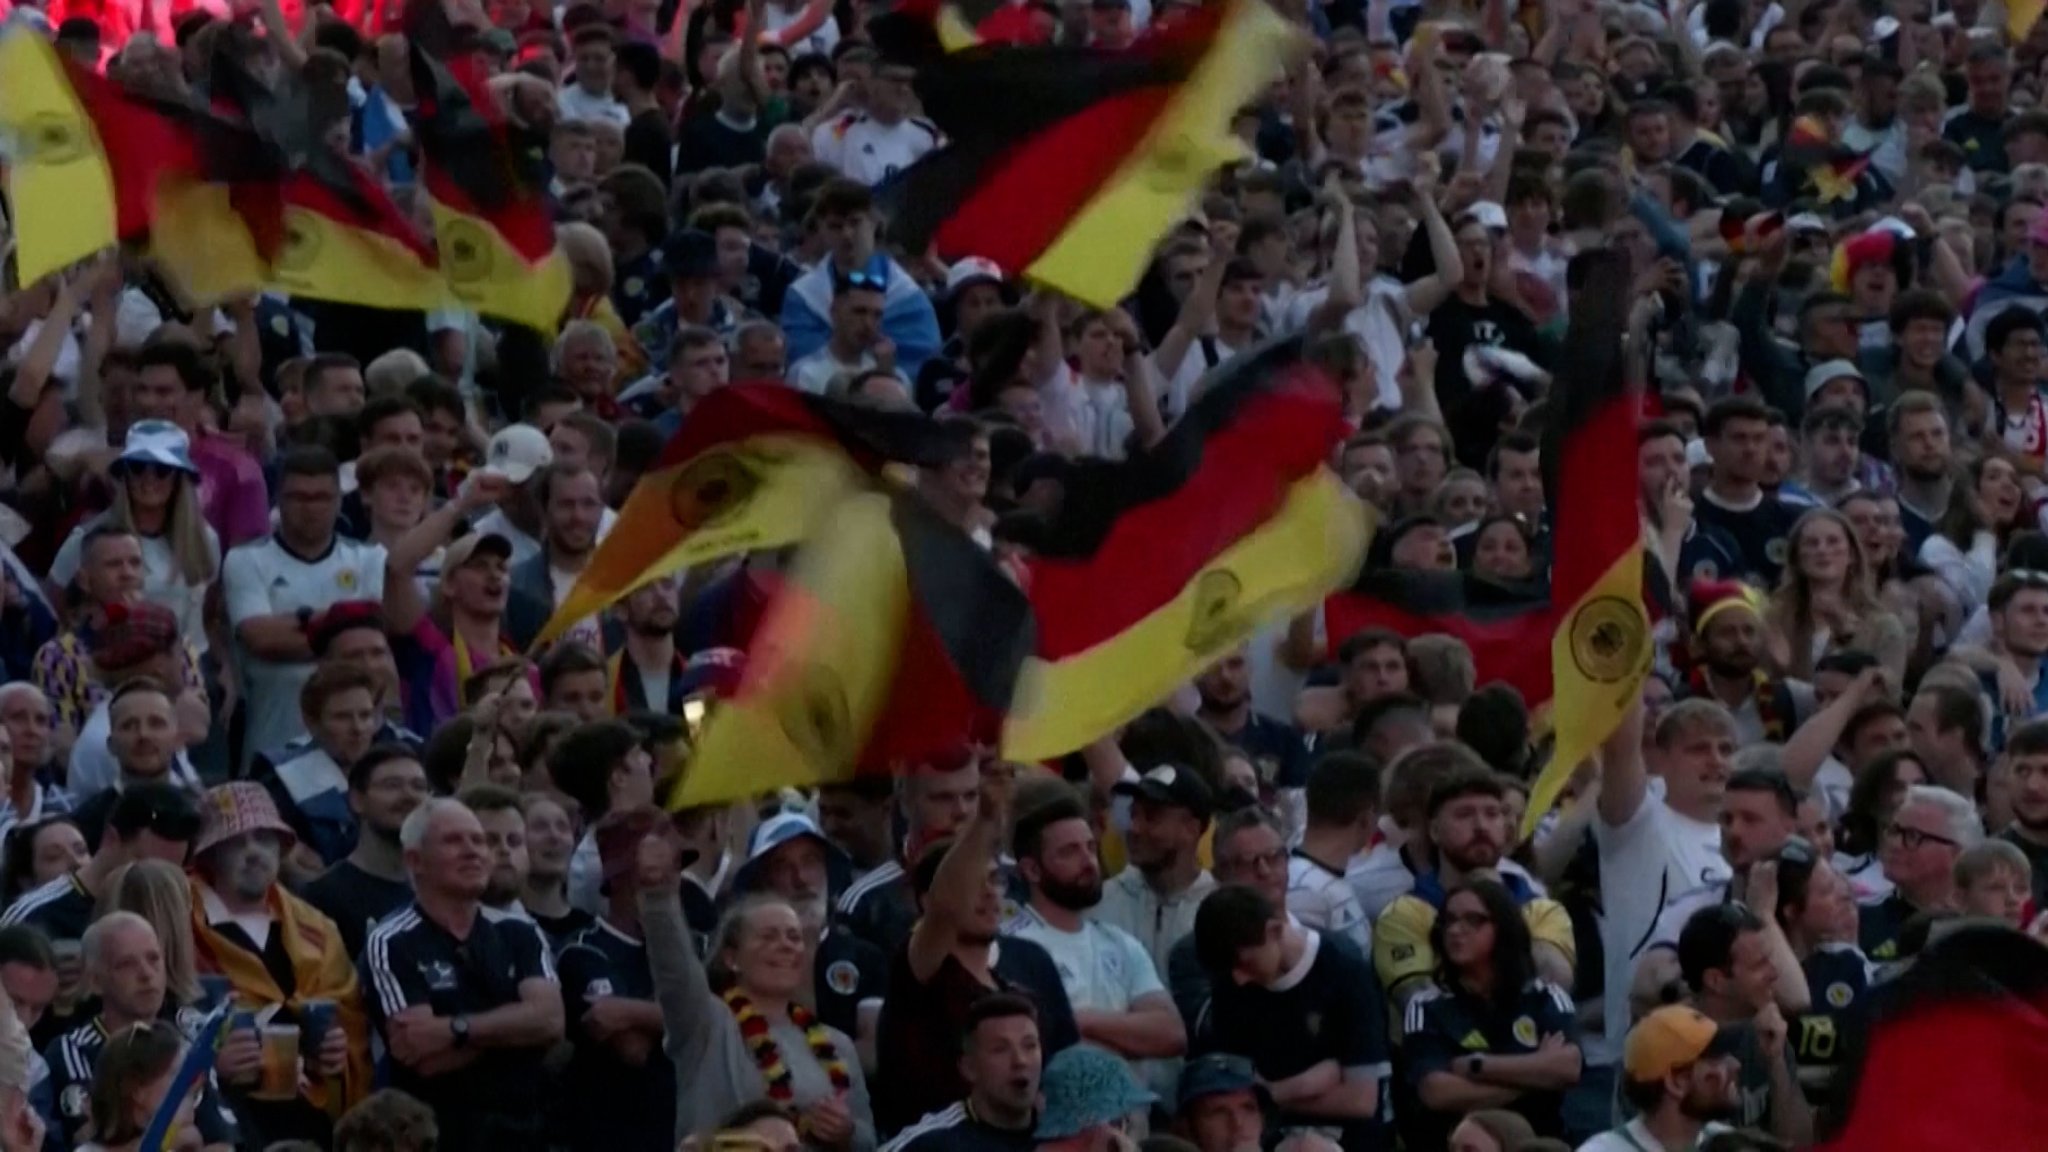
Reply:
x=754, y=468
x=1156, y=566
x=1507, y=626
x=1069, y=163
x=1947, y=1054
x=1831, y=167
x=897, y=640
x=489, y=195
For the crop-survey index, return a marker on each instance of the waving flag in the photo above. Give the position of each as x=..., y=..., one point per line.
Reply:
x=896, y=641
x=489, y=195
x=754, y=468
x=1156, y=566
x=1070, y=163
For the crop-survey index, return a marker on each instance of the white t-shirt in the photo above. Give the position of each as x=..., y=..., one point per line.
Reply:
x=1199, y=362
x=1653, y=858
x=586, y=631
x=1635, y=1137
x=814, y=373
x=260, y=578
x=1102, y=967
x=573, y=103
x=821, y=39
x=869, y=151
x=1323, y=900
x=162, y=583
x=93, y=767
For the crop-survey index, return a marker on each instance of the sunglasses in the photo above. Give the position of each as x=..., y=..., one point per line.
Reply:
x=864, y=280
x=150, y=468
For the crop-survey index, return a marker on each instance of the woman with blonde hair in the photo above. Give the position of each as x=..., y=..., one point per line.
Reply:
x=157, y=892
x=156, y=497
x=590, y=296
x=1827, y=601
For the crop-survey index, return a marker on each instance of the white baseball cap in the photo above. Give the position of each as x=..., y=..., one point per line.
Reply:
x=517, y=452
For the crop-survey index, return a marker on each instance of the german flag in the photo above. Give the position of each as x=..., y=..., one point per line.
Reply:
x=491, y=220
x=93, y=166
x=326, y=228
x=1070, y=163
x=756, y=467
x=1156, y=566
x=1504, y=625
x=896, y=641
x=1946, y=1056
x=1831, y=167
x=2020, y=18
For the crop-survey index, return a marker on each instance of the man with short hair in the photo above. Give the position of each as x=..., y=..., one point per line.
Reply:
x=1250, y=849
x=844, y=215
x=1218, y=1104
x=243, y=922
x=1918, y=849
x=308, y=778
x=572, y=511
x=620, y=1084
x=1727, y=963
x=504, y=823
x=573, y=680
x=604, y=767
x=124, y=960
x=1679, y=1072
x=1738, y=430
x=855, y=344
x=1276, y=748
x=1306, y=1010
x=111, y=570
x=1469, y=834
x=134, y=644
x=1343, y=818
x=467, y=1004
x=1112, y=984
x=145, y=741
x=1154, y=899
x=937, y=800
x=274, y=587
x=384, y=786
x=857, y=817
x=1001, y=1061
x=2026, y=765
x=588, y=97
x=647, y=671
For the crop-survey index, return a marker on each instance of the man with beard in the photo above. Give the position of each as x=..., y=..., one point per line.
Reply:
x=1728, y=651
x=1468, y=827
x=145, y=741
x=572, y=505
x=1921, y=449
x=279, y=954
x=1738, y=434
x=1154, y=899
x=1001, y=1061
x=647, y=670
x=1112, y=984
x=498, y=810
x=789, y=857
x=604, y=766
x=951, y=960
x=2026, y=761
x=384, y=786
x=620, y=1085
x=1759, y=814
x=1679, y=1071
x=466, y=1003
x=1276, y=748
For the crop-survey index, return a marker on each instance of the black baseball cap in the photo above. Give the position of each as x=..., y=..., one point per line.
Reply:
x=168, y=810
x=1178, y=787
x=1216, y=1074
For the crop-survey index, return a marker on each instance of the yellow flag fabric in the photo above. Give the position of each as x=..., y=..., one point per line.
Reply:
x=202, y=244
x=2021, y=16
x=58, y=183
x=1103, y=251
x=1310, y=547
x=491, y=277
x=820, y=670
x=756, y=495
x=327, y=259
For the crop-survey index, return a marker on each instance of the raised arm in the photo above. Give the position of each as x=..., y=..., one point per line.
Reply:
x=1624, y=782
x=960, y=879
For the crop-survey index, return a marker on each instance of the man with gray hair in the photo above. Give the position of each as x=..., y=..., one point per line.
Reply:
x=467, y=1004
x=1918, y=849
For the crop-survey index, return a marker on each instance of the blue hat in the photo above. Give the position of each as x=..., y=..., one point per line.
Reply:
x=780, y=829
x=1084, y=1087
x=158, y=442
x=1215, y=1074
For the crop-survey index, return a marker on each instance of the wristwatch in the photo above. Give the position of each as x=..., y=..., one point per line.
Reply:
x=305, y=615
x=1473, y=1064
x=459, y=1027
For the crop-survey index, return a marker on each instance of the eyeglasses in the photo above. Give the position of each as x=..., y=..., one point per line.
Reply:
x=1911, y=838
x=1467, y=920
x=1277, y=858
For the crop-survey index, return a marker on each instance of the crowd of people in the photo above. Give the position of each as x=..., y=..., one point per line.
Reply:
x=275, y=735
